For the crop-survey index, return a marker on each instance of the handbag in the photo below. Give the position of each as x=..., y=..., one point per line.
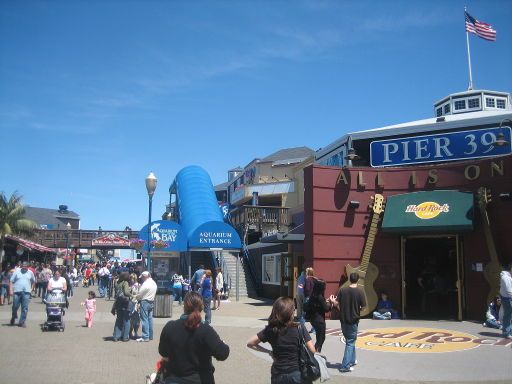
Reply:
x=308, y=365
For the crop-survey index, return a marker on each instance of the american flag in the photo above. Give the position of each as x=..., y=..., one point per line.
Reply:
x=479, y=28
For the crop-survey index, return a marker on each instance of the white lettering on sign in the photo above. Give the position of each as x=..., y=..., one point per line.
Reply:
x=447, y=146
x=163, y=234
x=215, y=238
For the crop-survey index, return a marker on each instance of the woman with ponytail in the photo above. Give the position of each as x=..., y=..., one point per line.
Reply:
x=282, y=333
x=188, y=344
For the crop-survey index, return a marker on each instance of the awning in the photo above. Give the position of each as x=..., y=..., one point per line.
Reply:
x=283, y=237
x=166, y=236
x=30, y=245
x=295, y=235
x=214, y=234
x=429, y=211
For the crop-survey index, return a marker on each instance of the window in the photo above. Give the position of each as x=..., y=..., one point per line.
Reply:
x=474, y=103
x=271, y=268
x=447, y=108
x=489, y=102
x=500, y=103
x=439, y=112
x=460, y=104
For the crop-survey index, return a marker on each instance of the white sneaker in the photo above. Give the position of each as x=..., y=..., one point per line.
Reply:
x=355, y=363
x=141, y=340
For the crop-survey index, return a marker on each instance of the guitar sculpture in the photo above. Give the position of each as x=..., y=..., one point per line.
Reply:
x=493, y=268
x=367, y=271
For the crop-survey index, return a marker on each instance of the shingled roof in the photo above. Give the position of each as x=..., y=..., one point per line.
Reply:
x=51, y=218
x=289, y=153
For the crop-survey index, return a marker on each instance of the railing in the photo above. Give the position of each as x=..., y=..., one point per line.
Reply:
x=251, y=266
x=261, y=217
x=77, y=238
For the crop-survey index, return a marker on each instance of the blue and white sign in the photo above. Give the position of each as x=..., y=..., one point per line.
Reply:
x=440, y=147
x=215, y=234
x=166, y=231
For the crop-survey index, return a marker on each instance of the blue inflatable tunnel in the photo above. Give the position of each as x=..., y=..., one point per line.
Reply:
x=199, y=212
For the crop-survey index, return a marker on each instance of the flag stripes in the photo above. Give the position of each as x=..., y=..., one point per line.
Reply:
x=479, y=28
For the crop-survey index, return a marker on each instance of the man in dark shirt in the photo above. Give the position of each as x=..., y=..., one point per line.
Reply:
x=350, y=301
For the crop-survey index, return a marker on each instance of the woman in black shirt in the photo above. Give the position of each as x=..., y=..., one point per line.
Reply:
x=283, y=335
x=317, y=306
x=188, y=344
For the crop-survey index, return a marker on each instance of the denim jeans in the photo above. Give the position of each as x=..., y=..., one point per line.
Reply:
x=41, y=289
x=134, y=319
x=122, y=325
x=350, y=334
x=207, y=309
x=492, y=323
x=23, y=299
x=146, y=318
x=287, y=378
x=177, y=293
x=102, y=285
x=506, y=303
x=381, y=316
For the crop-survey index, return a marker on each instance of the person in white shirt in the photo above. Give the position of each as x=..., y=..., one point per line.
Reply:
x=146, y=298
x=506, y=300
x=57, y=282
x=103, y=276
x=219, y=289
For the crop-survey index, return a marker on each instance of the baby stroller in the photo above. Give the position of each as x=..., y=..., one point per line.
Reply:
x=55, y=310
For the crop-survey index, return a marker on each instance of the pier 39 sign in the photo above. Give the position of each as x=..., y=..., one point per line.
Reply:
x=439, y=147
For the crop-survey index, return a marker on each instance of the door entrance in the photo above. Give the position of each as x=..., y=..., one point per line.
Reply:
x=431, y=278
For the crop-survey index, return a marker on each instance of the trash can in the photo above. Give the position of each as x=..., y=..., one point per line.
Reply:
x=162, y=306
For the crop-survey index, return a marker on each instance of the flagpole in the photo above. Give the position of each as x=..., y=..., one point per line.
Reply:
x=469, y=64
x=470, y=87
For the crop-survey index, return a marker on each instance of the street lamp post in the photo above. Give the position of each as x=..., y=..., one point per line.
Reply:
x=151, y=182
x=68, y=228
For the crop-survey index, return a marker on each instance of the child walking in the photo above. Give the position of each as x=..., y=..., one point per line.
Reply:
x=90, y=308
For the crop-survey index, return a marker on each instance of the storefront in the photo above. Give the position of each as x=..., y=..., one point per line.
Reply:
x=429, y=244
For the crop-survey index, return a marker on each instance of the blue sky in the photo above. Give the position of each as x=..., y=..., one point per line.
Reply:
x=95, y=95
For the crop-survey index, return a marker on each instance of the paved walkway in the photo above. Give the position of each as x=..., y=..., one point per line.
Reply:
x=394, y=351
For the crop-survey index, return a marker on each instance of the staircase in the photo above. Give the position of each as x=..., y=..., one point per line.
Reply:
x=246, y=287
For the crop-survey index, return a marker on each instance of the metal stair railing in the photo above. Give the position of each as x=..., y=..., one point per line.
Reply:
x=251, y=267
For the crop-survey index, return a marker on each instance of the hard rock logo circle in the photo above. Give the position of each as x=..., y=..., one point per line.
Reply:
x=421, y=340
x=427, y=210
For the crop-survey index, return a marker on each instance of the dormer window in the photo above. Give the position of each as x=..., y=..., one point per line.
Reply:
x=500, y=103
x=447, y=108
x=460, y=104
x=439, y=112
x=489, y=102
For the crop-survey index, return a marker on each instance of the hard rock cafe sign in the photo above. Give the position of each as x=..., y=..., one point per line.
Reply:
x=427, y=210
x=421, y=340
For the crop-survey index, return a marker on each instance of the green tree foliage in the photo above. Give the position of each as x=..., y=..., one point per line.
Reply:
x=12, y=219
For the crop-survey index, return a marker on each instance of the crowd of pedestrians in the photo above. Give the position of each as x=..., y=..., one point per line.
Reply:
x=191, y=333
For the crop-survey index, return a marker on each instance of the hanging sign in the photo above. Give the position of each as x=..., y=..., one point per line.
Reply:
x=110, y=240
x=440, y=147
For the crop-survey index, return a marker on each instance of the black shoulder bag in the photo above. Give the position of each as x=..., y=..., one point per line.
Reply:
x=309, y=368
